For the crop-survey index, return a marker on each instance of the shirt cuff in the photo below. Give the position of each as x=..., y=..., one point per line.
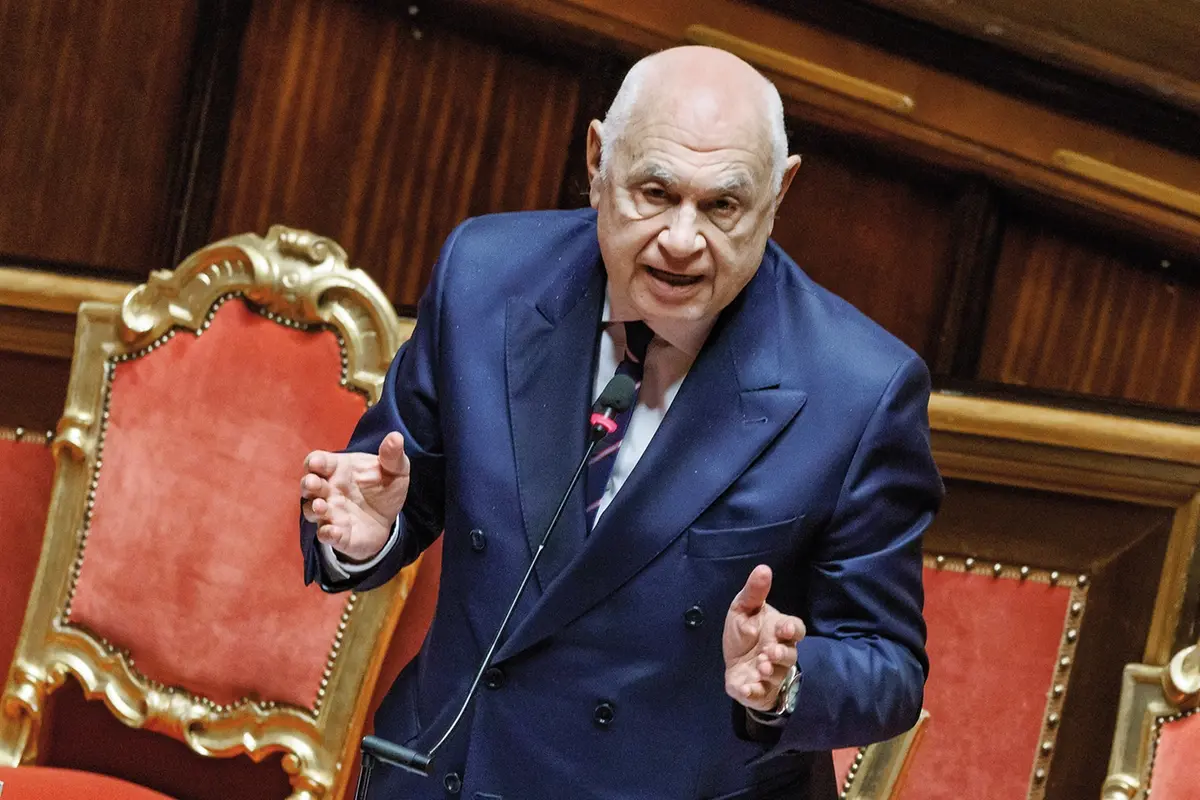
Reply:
x=341, y=569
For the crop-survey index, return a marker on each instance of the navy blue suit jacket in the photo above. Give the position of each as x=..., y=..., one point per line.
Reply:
x=799, y=439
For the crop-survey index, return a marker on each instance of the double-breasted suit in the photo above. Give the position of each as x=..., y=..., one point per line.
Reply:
x=798, y=439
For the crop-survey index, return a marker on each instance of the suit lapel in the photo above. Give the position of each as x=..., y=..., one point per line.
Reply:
x=549, y=352
x=730, y=407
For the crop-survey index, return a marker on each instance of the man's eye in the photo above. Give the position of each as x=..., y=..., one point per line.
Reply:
x=654, y=193
x=724, y=206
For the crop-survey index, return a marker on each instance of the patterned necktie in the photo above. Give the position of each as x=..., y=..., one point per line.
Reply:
x=637, y=339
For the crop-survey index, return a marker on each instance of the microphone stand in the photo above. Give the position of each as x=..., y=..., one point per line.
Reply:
x=616, y=398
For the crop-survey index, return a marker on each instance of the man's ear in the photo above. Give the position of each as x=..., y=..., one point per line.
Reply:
x=789, y=172
x=594, y=135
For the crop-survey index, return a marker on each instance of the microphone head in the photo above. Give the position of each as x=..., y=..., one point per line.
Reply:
x=617, y=395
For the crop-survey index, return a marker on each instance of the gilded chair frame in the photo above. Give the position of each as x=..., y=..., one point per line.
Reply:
x=1085, y=454
x=297, y=279
x=1150, y=697
x=878, y=769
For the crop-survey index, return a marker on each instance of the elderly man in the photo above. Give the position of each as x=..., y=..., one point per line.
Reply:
x=734, y=587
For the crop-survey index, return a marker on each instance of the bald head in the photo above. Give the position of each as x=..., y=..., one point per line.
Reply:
x=702, y=88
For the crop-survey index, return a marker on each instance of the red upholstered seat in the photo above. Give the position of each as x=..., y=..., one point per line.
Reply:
x=47, y=783
x=995, y=640
x=1176, y=766
x=994, y=645
x=27, y=473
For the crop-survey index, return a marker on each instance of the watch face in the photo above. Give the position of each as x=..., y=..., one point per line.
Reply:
x=791, y=693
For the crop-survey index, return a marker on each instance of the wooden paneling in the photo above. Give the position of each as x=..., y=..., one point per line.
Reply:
x=901, y=103
x=1160, y=34
x=1150, y=47
x=90, y=109
x=874, y=230
x=1074, y=312
x=348, y=124
x=33, y=390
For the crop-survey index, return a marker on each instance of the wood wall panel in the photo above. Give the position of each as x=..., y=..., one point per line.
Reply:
x=347, y=124
x=33, y=390
x=91, y=98
x=1075, y=313
x=878, y=232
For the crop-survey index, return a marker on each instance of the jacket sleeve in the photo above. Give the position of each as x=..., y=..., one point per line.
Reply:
x=863, y=661
x=408, y=404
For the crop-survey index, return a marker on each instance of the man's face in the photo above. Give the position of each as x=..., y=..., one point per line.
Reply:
x=685, y=211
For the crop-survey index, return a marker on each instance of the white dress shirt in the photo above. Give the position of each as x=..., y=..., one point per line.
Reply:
x=669, y=356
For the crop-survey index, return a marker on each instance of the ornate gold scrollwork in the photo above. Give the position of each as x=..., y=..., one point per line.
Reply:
x=1181, y=679
x=291, y=273
x=1150, y=697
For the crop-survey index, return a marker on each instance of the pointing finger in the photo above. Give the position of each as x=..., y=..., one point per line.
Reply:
x=752, y=596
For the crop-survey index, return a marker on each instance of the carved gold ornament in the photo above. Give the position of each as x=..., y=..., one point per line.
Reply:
x=1151, y=697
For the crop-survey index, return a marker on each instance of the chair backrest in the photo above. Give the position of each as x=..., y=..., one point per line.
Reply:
x=26, y=473
x=170, y=584
x=1158, y=732
x=1002, y=643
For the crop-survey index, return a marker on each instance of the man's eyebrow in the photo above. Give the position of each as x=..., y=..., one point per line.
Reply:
x=652, y=171
x=734, y=183
x=738, y=182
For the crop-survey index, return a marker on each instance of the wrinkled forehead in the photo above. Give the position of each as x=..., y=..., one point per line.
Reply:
x=704, y=128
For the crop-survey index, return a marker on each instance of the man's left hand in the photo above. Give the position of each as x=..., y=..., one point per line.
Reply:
x=759, y=644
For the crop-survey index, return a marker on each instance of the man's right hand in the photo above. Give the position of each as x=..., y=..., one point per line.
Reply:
x=355, y=497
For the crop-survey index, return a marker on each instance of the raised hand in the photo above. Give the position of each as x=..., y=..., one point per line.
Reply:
x=759, y=644
x=355, y=497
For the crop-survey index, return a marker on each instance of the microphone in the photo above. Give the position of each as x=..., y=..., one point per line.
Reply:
x=616, y=398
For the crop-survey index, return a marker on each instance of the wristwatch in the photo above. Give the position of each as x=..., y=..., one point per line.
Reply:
x=785, y=701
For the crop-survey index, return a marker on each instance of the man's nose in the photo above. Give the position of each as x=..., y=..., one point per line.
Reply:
x=682, y=237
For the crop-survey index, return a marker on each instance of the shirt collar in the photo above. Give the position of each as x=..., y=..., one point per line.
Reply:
x=685, y=335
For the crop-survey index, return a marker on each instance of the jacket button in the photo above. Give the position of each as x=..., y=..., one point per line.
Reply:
x=453, y=783
x=693, y=617
x=478, y=540
x=493, y=678
x=603, y=715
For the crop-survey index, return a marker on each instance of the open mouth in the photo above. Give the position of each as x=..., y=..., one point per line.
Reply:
x=672, y=278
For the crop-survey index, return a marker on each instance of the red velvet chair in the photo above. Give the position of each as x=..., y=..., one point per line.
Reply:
x=170, y=584
x=1001, y=643
x=26, y=472
x=1156, y=748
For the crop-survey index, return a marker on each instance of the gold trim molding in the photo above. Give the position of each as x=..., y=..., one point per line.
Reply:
x=1129, y=182
x=295, y=279
x=791, y=66
x=37, y=290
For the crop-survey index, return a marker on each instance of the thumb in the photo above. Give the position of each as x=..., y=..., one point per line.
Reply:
x=392, y=460
x=752, y=596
